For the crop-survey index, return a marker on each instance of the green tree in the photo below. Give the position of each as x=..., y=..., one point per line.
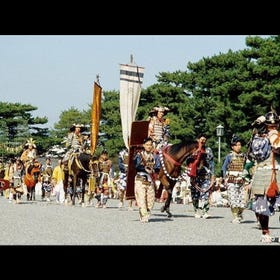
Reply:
x=17, y=125
x=231, y=89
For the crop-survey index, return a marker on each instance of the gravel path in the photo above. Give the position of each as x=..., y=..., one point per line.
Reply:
x=47, y=223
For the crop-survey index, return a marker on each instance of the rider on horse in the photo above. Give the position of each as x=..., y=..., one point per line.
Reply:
x=159, y=129
x=74, y=141
x=29, y=154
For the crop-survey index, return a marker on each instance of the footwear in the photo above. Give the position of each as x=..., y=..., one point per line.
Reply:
x=236, y=221
x=120, y=205
x=266, y=238
x=206, y=216
x=240, y=217
x=144, y=219
x=197, y=216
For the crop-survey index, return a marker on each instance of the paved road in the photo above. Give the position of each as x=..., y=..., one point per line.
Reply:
x=46, y=223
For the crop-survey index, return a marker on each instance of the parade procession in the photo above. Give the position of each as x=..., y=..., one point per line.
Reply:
x=194, y=157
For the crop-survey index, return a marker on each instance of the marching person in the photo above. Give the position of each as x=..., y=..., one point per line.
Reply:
x=16, y=174
x=105, y=181
x=123, y=166
x=47, y=171
x=57, y=181
x=202, y=183
x=146, y=164
x=159, y=129
x=264, y=206
x=232, y=169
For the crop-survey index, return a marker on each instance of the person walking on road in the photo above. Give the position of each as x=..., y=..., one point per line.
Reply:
x=232, y=169
x=202, y=183
x=57, y=179
x=146, y=164
x=263, y=205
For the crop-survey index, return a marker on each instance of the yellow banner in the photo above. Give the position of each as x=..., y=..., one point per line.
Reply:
x=95, y=117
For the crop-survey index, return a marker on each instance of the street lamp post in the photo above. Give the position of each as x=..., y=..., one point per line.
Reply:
x=220, y=133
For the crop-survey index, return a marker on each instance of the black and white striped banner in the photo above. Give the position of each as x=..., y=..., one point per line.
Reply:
x=131, y=79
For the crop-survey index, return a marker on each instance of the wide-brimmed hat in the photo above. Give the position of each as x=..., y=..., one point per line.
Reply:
x=159, y=109
x=74, y=125
x=30, y=142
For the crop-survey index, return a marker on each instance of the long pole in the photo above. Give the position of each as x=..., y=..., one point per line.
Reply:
x=219, y=151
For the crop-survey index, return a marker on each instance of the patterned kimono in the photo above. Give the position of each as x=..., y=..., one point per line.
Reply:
x=233, y=167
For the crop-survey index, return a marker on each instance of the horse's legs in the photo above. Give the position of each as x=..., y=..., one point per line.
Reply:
x=74, y=181
x=166, y=205
x=28, y=193
x=33, y=193
x=43, y=193
x=66, y=185
x=83, y=192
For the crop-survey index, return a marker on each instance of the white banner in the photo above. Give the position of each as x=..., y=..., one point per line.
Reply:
x=131, y=79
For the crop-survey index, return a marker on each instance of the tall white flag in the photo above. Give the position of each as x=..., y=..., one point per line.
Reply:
x=131, y=79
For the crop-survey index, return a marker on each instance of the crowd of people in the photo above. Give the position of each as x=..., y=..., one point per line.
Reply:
x=243, y=183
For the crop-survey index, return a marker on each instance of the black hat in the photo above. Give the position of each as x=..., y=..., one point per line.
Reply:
x=234, y=140
x=202, y=135
x=104, y=152
x=147, y=140
x=271, y=118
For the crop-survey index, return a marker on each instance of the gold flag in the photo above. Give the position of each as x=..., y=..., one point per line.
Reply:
x=95, y=116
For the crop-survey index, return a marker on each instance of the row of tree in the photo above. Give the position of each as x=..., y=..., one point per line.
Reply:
x=231, y=89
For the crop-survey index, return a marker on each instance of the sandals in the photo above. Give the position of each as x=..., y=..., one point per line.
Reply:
x=266, y=238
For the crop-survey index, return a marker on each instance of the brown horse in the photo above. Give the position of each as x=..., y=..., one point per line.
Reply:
x=80, y=168
x=172, y=158
x=31, y=178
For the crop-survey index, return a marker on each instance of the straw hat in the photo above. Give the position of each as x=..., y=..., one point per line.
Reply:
x=159, y=109
x=74, y=125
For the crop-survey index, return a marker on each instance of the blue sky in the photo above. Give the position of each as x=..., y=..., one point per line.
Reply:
x=57, y=72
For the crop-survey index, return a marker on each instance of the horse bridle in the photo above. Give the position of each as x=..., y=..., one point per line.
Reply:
x=79, y=164
x=162, y=154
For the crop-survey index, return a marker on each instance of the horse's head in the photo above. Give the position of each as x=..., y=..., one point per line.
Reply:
x=172, y=157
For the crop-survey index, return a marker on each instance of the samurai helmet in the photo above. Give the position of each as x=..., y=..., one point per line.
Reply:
x=159, y=109
x=74, y=125
x=271, y=118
